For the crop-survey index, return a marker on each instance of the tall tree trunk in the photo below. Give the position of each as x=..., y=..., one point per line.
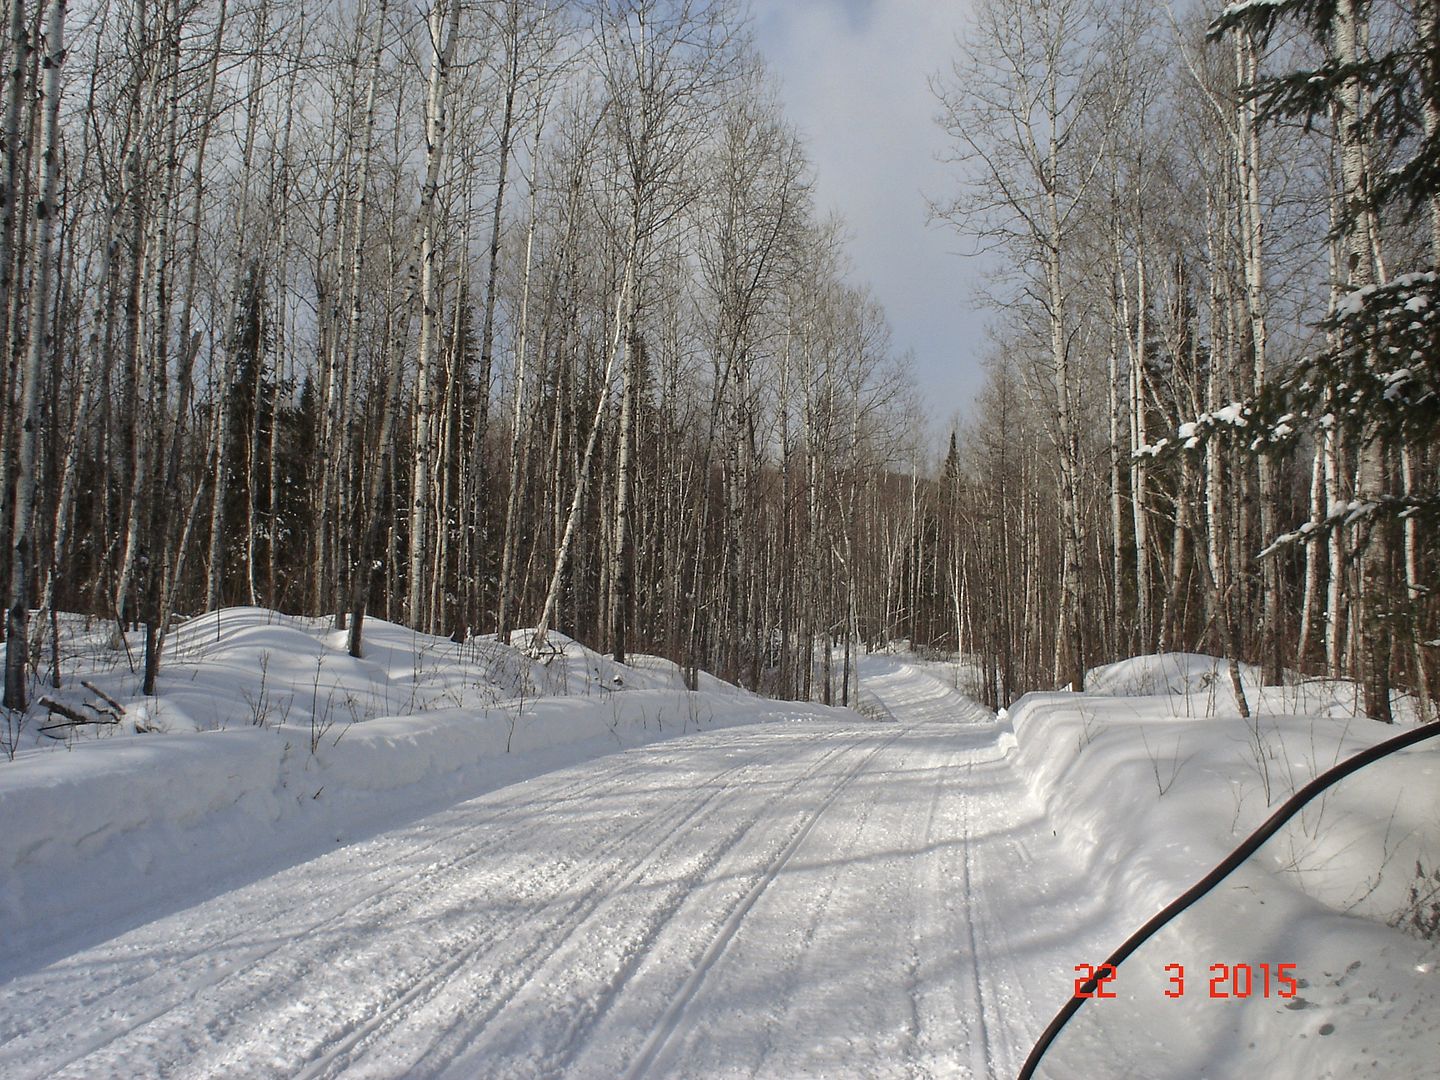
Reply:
x=1371, y=477
x=443, y=35
x=1252, y=236
x=519, y=420
x=338, y=438
x=1118, y=331
x=13, y=165
x=577, y=502
x=1415, y=593
x=41, y=341
x=622, y=557
x=1311, y=592
x=1070, y=652
x=514, y=42
x=416, y=282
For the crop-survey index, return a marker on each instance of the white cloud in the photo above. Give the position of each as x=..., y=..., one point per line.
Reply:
x=854, y=77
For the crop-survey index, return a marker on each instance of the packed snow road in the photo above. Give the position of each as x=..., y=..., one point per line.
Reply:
x=875, y=899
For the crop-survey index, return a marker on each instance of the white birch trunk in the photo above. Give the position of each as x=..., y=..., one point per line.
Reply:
x=1371, y=480
x=41, y=341
x=443, y=36
x=577, y=502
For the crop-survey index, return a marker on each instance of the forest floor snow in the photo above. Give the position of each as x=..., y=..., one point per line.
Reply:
x=492, y=867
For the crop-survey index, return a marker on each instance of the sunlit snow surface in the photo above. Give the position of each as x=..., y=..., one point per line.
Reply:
x=805, y=892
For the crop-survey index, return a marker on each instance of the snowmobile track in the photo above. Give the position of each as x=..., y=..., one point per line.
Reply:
x=826, y=896
x=567, y=920
x=655, y=1046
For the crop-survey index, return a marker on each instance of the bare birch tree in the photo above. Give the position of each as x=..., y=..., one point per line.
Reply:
x=1018, y=107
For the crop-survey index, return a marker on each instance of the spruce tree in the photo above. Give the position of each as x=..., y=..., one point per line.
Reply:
x=1378, y=379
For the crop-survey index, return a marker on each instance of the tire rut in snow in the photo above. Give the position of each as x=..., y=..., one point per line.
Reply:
x=984, y=1059
x=925, y=986
x=316, y=951
x=477, y=995
x=407, y=991
x=653, y=1051
x=588, y=977
x=793, y=978
x=223, y=935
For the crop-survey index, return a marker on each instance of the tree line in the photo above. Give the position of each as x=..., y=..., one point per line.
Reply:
x=473, y=316
x=1211, y=418
x=520, y=314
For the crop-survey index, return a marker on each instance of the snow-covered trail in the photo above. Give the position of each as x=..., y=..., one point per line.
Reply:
x=881, y=899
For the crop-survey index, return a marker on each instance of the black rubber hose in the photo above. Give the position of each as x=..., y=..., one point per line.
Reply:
x=1287, y=810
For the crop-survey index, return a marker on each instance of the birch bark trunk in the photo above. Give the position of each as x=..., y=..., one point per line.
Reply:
x=41, y=341
x=1371, y=475
x=444, y=26
x=415, y=275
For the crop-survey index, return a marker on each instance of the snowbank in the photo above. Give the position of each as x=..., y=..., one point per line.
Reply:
x=1152, y=777
x=1168, y=673
x=278, y=745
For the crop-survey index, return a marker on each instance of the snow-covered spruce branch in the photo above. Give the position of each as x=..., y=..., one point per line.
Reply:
x=1384, y=369
x=1424, y=509
x=1382, y=373
x=1230, y=421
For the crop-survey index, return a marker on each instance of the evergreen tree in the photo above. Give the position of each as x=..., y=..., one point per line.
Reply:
x=1379, y=376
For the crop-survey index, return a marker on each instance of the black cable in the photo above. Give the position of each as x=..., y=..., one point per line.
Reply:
x=1287, y=810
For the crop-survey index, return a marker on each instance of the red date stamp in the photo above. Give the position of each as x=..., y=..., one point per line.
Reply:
x=1225, y=981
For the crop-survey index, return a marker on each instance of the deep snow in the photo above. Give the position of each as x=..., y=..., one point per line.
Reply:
x=486, y=866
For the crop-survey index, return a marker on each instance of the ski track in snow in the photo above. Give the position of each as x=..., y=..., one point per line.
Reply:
x=878, y=899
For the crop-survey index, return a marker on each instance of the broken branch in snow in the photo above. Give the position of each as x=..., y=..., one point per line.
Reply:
x=74, y=718
x=119, y=709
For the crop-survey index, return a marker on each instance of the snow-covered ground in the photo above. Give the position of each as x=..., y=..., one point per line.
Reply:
x=509, y=869
x=1151, y=778
x=269, y=743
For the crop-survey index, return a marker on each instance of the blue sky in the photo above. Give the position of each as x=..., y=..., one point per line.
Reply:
x=853, y=76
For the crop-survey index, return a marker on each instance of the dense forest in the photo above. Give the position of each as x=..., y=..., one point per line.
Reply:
x=1212, y=412
x=520, y=313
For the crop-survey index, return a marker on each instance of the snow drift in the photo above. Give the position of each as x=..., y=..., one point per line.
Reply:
x=1151, y=778
x=268, y=744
